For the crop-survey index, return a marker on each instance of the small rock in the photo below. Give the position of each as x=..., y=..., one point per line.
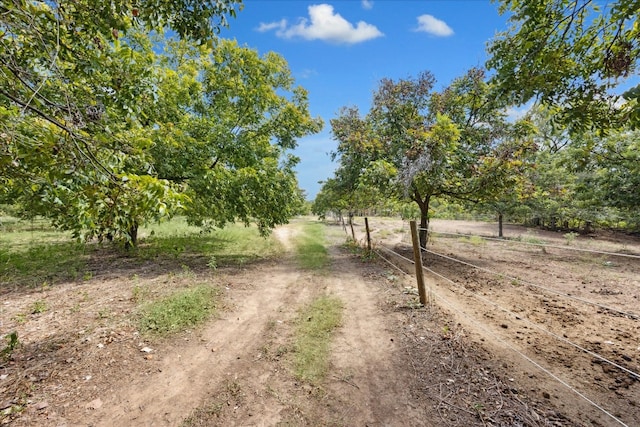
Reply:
x=40, y=406
x=100, y=345
x=149, y=356
x=546, y=395
x=504, y=325
x=95, y=404
x=146, y=349
x=3, y=376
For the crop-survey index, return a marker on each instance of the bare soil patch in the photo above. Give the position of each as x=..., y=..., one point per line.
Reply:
x=550, y=315
x=81, y=360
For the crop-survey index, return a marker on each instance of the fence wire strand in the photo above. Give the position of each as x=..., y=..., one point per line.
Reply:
x=533, y=324
x=535, y=244
x=535, y=285
x=506, y=343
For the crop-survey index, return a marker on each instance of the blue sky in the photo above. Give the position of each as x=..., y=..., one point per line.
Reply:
x=339, y=51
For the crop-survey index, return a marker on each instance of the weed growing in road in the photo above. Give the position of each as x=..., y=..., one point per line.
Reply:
x=12, y=342
x=179, y=311
x=312, y=254
x=38, y=307
x=313, y=334
x=570, y=237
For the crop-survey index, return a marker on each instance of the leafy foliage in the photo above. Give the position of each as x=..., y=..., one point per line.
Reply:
x=570, y=54
x=416, y=144
x=101, y=133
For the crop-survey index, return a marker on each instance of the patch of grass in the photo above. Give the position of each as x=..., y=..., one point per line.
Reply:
x=310, y=247
x=531, y=237
x=232, y=245
x=39, y=263
x=179, y=311
x=12, y=342
x=314, y=331
x=474, y=240
x=38, y=307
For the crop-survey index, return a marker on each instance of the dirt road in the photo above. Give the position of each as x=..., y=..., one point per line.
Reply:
x=391, y=364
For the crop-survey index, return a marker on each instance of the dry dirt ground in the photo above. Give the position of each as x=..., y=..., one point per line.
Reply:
x=461, y=361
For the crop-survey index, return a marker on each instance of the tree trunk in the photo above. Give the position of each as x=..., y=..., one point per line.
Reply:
x=424, y=222
x=500, y=235
x=133, y=236
x=353, y=233
x=424, y=217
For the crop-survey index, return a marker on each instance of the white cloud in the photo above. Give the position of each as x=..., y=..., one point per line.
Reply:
x=307, y=73
x=281, y=25
x=432, y=25
x=324, y=24
x=367, y=4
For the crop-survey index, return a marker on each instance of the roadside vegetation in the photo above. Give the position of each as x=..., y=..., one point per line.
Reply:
x=179, y=311
x=311, y=252
x=314, y=331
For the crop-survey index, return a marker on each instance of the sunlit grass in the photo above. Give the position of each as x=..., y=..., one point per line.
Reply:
x=232, y=245
x=310, y=246
x=179, y=311
x=314, y=330
x=32, y=253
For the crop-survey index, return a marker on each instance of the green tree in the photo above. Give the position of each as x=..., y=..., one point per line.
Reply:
x=453, y=144
x=570, y=54
x=228, y=121
x=104, y=145
x=75, y=86
x=87, y=171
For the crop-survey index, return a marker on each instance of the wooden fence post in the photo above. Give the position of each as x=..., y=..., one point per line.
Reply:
x=417, y=256
x=366, y=225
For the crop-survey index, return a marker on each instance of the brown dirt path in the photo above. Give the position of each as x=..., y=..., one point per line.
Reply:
x=390, y=365
x=184, y=372
x=237, y=369
x=366, y=385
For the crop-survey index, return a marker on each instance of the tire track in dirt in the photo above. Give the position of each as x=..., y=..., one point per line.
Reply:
x=368, y=376
x=186, y=372
x=249, y=384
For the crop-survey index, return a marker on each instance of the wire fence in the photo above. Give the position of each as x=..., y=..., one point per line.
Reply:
x=543, y=245
x=386, y=253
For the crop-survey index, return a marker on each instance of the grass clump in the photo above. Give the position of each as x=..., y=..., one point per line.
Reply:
x=233, y=245
x=473, y=240
x=38, y=263
x=310, y=247
x=313, y=335
x=179, y=311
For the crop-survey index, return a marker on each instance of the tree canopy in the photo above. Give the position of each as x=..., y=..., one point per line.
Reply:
x=571, y=54
x=418, y=144
x=101, y=131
